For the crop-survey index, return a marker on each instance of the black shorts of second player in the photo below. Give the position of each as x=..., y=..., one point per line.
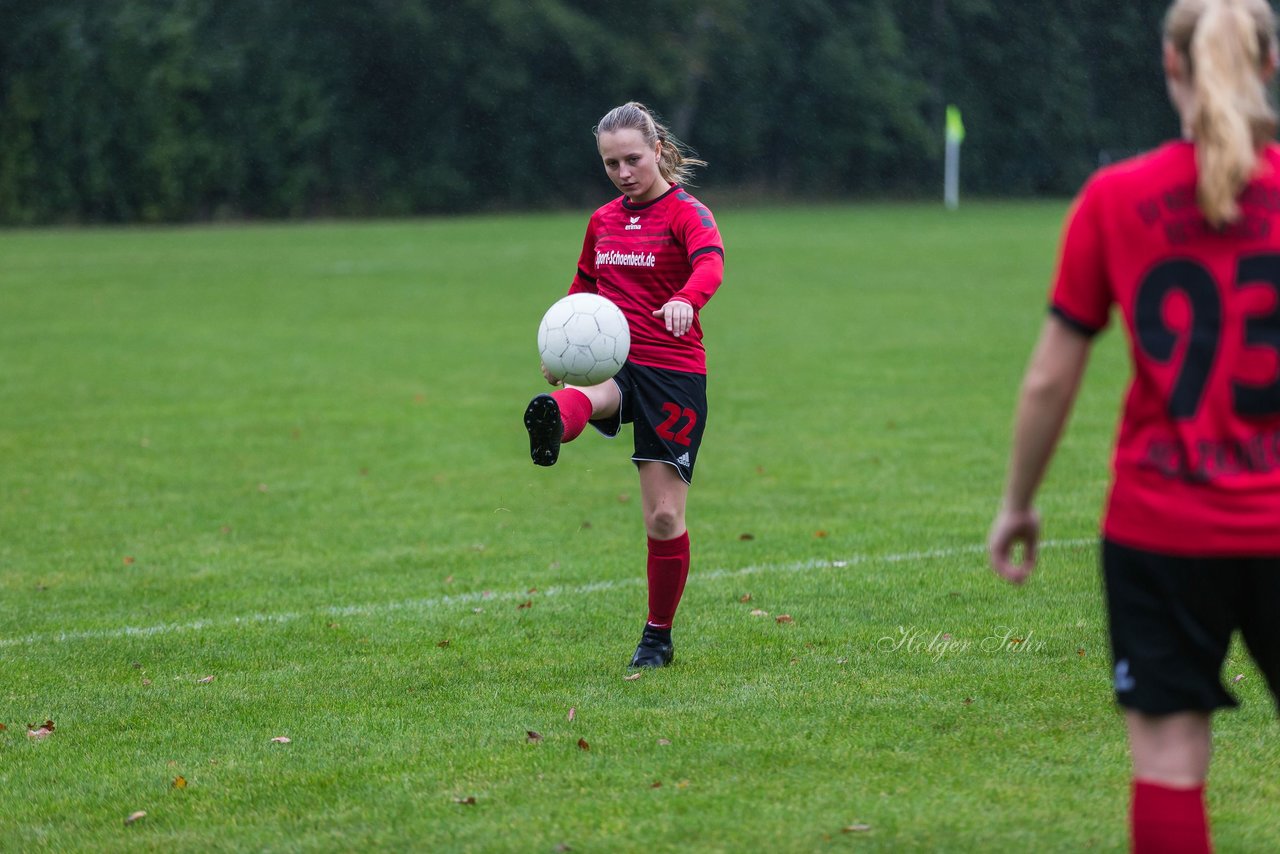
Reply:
x=668, y=410
x=1172, y=619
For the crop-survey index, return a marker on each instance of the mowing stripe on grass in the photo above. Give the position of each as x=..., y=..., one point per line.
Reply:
x=440, y=602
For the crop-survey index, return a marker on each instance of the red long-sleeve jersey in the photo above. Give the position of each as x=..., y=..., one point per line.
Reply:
x=642, y=256
x=1197, y=455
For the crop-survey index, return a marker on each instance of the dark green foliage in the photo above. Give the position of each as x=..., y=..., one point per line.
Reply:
x=141, y=110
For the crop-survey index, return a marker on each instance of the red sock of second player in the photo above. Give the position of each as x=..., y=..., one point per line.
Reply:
x=1166, y=820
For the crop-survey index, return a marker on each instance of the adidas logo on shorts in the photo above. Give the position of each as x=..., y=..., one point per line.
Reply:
x=683, y=459
x=1123, y=681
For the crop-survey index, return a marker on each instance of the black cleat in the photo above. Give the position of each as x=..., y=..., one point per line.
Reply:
x=546, y=427
x=655, y=649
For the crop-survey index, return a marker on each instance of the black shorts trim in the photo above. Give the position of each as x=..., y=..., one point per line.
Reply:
x=1171, y=622
x=668, y=413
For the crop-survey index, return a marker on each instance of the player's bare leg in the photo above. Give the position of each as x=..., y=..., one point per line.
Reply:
x=561, y=415
x=1170, y=763
x=664, y=495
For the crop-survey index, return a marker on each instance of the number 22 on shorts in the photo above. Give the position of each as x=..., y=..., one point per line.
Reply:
x=674, y=412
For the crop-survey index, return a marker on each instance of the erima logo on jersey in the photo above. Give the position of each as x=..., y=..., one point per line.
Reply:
x=1124, y=682
x=626, y=259
x=683, y=459
x=635, y=220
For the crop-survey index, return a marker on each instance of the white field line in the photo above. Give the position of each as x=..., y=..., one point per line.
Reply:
x=443, y=602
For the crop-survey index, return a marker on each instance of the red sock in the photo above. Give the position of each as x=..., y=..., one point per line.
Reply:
x=575, y=411
x=1166, y=820
x=668, y=571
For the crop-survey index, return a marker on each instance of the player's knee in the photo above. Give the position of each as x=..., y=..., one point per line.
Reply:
x=664, y=523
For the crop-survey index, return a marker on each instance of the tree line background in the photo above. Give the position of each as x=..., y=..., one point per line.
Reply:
x=171, y=110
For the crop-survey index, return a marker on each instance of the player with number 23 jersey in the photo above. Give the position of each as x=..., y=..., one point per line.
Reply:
x=1197, y=458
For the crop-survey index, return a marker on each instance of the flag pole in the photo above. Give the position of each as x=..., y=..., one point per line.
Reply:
x=951, y=178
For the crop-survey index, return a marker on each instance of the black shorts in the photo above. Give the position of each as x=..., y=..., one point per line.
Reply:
x=669, y=411
x=1171, y=621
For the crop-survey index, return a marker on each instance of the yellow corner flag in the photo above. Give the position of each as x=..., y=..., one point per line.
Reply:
x=955, y=127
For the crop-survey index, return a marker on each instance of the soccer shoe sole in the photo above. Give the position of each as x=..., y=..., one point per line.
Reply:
x=542, y=420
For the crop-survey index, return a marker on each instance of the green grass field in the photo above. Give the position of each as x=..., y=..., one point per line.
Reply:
x=290, y=458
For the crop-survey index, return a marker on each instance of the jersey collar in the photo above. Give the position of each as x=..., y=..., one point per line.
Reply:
x=631, y=206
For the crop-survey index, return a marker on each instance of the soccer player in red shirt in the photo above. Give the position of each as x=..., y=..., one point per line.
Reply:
x=657, y=254
x=1185, y=243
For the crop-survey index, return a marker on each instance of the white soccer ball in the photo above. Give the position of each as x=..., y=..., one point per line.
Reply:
x=583, y=339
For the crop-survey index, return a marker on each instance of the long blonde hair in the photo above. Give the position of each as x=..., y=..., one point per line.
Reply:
x=1225, y=46
x=675, y=160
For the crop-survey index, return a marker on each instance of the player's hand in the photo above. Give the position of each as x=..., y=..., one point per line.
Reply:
x=1010, y=529
x=677, y=315
x=547, y=374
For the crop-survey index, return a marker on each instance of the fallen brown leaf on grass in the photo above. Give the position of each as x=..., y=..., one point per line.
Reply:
x=146, y=682
x=134, y=816
x=633, y=677
x=528, y=603
x=582, y=744
x=745, y=597
x=532, y=590
x=443, y=643
x=205, y=680
x=664, y=741
x=3, y=727
x=745, y=537
x=784, y=618
x=281, y=739
x=128, y=560
x=179, y=782
x=656, y=784
x=533, y=735
x=819, y=534
x=468, y=801
x=1080, y=651
x=43, y=730
x=968, y=701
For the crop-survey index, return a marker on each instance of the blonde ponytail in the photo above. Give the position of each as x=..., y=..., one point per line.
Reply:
x=1225, y=44
x=675, y=159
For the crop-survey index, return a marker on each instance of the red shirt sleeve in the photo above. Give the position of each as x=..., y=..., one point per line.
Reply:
x=1082, y=292
x=584, y=281
x=708, y=273
x=696, y=229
